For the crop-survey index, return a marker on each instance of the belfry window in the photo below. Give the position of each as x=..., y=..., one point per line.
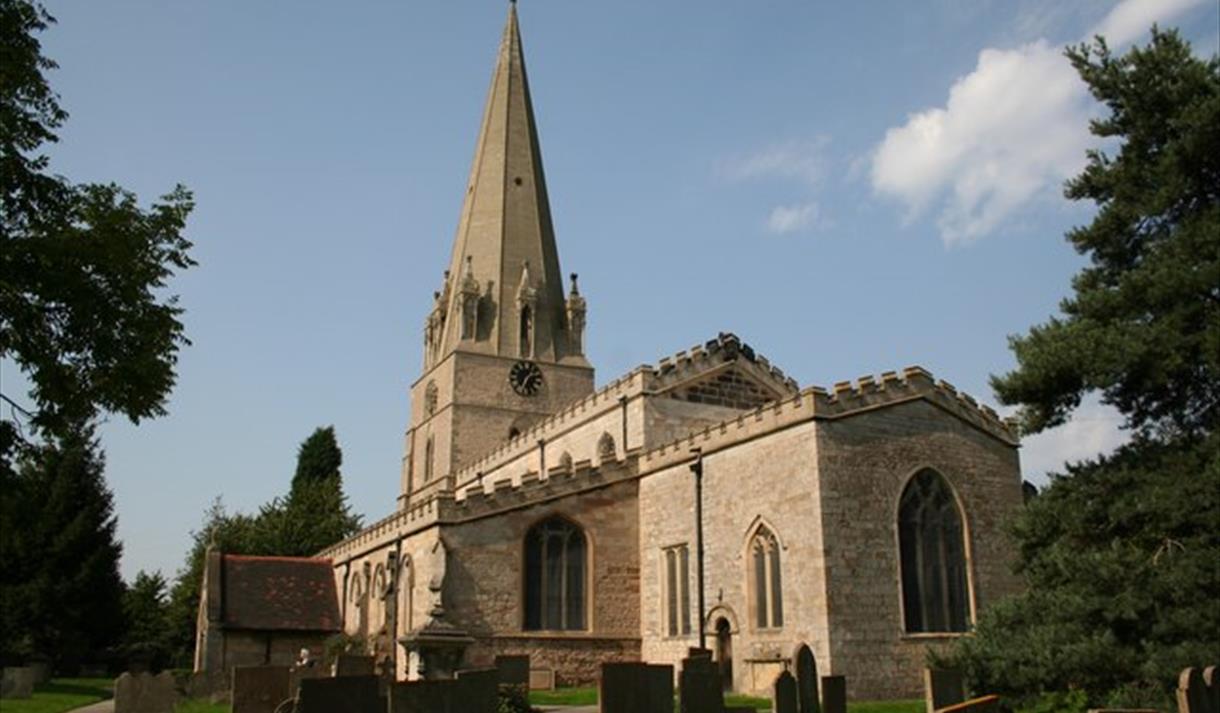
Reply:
x=429, y=457
x=677, y=590
x=766, y=580
x=555, y=574
x=527, y=332
x=932, y=548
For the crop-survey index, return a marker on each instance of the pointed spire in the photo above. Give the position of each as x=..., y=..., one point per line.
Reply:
x=506, y=222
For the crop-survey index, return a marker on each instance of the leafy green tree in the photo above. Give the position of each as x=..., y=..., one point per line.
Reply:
x=318, y=459
x=145, y=612
x=1120, y=553
x=315, y=514
x=67, y=588
x=83, y=269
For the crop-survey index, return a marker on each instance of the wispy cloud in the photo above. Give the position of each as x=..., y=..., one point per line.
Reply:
x=1092, y=431
x=791, y=218
x=803, y=162
x=1012, y=129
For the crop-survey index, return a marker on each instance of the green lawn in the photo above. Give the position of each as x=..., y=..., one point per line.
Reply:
x=564, y=697
x=196, y=705
x=907, y=706
x=61, y=694
x=588, y=697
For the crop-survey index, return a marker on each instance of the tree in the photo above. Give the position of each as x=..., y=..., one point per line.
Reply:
x=318, y=459
x=1120, y=553
x=145, y=613
x=65, y=584
x=315, y=514
x=83, y=269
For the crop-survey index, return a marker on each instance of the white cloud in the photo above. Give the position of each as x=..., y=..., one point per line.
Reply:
x=1092, y=431
x=800, y=160
x=789, y=219
x=1012, y=129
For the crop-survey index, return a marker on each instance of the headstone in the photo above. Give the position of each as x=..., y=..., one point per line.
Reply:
x=834, y=694
x=145, y=693
x=636, y=688
x=699, y=684
x=806, y=680
x=347, y=694
x=42, y=671
x=784, y=700
x=436, y=696
x=17, y=682
x=354, y=665
x=542, y=679
x=478, y=690
x=1211, y=679
x=986, y=704
x=514, y=670
x=1195, y=695
x=260, y=689
x=943, y=687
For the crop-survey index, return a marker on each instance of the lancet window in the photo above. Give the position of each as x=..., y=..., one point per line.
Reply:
x=677, y=590
x=932, y=549
x=556, y=557
x=766, y=579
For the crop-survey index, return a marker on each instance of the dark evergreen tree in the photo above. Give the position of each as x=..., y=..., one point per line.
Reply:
x=1121, y=555
x=315, y=514
x=318, y=459
x=146, y=611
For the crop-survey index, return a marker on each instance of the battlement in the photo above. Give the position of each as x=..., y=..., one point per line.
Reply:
x=478, y=500
x=845, y=399
x=415, y=517
x=725, y=348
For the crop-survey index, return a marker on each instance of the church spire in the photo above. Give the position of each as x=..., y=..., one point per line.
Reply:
x=505, y=235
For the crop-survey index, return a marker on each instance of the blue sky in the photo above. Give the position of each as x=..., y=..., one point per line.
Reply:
x=851, y=187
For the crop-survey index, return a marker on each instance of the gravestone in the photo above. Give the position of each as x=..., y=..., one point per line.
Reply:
x=145, y=693
x=784, y=700
x=636, y=688
x=542, y=679
x=354, y=665
x=1211, y=679
x=834, y=694
x=1194, y=693
x=17, y=682
x=260, y=689
x=943, y=687
x=478, y=690
x=699, y=684
x=42, y=671
x=436, y=696
x=806, y=680
x=514, y=670
x=986, y=704
x=348, y=694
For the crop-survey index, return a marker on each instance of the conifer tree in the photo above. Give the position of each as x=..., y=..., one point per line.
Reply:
x=319, y=458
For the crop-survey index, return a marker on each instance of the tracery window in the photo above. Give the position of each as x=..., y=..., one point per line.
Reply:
x=766, y=580
x=932, y=549
x=556, y=557
x=677, y=590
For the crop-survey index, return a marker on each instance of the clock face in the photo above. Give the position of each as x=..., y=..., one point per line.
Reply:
x=525, y=377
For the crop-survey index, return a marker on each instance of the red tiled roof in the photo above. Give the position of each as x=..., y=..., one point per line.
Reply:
x=280, y=593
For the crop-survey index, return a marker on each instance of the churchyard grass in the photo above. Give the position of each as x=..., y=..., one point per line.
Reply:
x=914, y=705
x=61, y=694
x=564, y=697
x=758, y=703
x=198, y=705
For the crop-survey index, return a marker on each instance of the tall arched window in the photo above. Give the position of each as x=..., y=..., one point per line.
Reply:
x=526, y=338
x=429, y=457
x=555, y=575
x=766, y=579
x=932, y=547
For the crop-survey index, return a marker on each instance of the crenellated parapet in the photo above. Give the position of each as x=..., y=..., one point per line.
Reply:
x=726, y=348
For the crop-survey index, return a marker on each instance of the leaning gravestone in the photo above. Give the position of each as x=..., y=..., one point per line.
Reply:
x=349, y=694
x=834, y=694
x=785, y=694
x=943, y=688
x=806, y=680
x=145, y=693
x=260, y=689
x=354, y=665
x=699, y=684
x=478, y=690
x=17, y=682
x=514, y=670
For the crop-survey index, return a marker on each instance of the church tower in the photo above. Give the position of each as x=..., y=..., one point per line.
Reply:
x=503, y=347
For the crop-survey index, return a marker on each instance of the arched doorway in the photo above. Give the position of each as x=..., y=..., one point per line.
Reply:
x=724, y=652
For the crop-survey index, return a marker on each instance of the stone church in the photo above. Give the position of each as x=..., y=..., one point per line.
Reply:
x=542, y=514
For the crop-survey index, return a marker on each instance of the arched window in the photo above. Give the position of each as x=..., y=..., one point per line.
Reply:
x=555, y=575
x=525, y=339
x=932, y=548
x=606, y=451
x=766, y=580
x=429, y=456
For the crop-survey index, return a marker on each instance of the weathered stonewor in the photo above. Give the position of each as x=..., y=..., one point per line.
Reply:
x=478, y=690
x=834, y=694
x=17, y=682
x=347, y=694
x=784, y=699
x=354, y=665
x=260, y=689
x=1197, y=691
x=636, y=688
x=806, y=680
x=514, y=670
x=699, y=684
x=985, y=704
x=943, y=687
x=145, y=693
x=437, y=696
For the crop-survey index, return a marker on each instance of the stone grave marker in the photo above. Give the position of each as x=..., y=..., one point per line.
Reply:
x=354, y=665
x=636, y=688
x=260, y=689
x=806, y=680
x=834, y=694
x=1211, y=679
x=478, y=689
x=784, y=700
x=943, y=687
x=347, y=694
x=17, y=682
x=514, y=670
x=1194, y=693
x=438, y=696
x=42, y=671
x=145, y=693
x=699, y=684
x=542, y=679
